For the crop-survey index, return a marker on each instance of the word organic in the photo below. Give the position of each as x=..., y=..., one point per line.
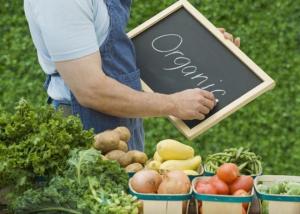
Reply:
x=183, y=63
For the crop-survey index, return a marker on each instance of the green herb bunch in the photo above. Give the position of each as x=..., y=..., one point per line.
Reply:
x=36, y=141
x=248, y=162
x=89, y=185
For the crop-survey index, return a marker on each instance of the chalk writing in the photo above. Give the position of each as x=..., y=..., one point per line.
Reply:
x=184, y=63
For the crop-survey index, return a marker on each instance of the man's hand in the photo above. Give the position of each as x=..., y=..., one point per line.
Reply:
x=192, y=104
x=236, y=41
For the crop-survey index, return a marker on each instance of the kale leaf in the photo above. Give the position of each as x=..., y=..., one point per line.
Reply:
x=36, y=141
x=89, y=185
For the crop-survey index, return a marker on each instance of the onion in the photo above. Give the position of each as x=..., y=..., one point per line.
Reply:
x=146, y=181
x=175, y=182
x=180, y=175
x=221, y=187
x=243, y=182
x=228, y=172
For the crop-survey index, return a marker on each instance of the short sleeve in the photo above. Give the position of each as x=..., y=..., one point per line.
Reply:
x=67, y=28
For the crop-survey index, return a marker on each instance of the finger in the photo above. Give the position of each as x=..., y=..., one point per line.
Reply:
x=203, y=109
x=222, y=30
x=209, y=103
x=200, y=116
x=208, y=94
x=228, y=36
x=237, y=42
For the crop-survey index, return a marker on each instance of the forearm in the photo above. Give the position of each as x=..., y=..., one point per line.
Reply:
x=113, y=98
x=95, y=90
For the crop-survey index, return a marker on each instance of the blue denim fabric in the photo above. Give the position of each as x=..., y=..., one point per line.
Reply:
x=118, y=62
x=57, y=103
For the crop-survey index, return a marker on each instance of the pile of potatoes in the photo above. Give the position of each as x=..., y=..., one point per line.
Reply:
x=113, y=144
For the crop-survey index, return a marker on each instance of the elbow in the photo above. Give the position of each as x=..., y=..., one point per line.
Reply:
x=83, y=101
x=88, y=95
x=85, y=97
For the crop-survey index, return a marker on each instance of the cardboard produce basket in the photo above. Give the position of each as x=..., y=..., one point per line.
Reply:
x=216, y=204
x=277, y=204
x=163, y=204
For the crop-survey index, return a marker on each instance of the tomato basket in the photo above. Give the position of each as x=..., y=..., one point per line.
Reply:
x=216, y=204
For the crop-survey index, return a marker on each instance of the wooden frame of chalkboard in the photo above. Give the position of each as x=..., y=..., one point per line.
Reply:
x=266, y=82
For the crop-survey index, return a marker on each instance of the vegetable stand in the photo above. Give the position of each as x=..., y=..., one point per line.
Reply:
x=77, y=179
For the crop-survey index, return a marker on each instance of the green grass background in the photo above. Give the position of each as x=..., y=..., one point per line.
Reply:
x=270, y=34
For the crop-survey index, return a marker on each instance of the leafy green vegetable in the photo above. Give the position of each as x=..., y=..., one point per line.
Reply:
x=36, y=141
x=278, y=188
x=82, y=159
x=293, y=188
x=85, y=163
x=89, y=185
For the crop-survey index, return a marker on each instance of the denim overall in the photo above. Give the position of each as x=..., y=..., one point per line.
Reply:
x=118, y=62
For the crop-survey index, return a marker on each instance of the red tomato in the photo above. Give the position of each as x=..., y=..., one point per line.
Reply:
x=228, y=172
x=242, y=192
x=221, y=187
x=242, y=182
x=206, y=188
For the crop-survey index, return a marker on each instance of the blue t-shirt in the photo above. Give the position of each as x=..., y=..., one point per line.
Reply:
x=65, y=30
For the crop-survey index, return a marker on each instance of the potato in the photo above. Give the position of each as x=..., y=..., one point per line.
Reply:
x=106, y=141
x=134, y=167
x=124, y=133
x=125, y=160
x=115, y=155
x=138, y=156
x=123, y=146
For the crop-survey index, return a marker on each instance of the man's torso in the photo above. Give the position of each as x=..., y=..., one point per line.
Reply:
x=42, y=13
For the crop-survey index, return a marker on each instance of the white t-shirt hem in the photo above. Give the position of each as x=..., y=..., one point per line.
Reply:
x=76, y=54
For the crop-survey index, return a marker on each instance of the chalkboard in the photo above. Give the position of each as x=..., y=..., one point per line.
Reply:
x=179, y=49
